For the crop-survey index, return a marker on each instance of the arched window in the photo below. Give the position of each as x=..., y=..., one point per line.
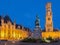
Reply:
x=48, y=29
x=9, y=26
x=48, y=18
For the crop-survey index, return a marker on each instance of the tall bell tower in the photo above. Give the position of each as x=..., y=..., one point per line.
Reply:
x=49, y=23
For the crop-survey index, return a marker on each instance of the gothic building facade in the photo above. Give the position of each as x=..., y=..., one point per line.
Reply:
x=49, y=22
x=11, y=31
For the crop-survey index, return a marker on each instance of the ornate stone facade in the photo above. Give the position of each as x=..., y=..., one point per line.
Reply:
x=11, y=31
x=49, y=23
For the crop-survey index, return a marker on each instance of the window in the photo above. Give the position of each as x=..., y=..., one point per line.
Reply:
x=8, y=33
x=9, y=26
x=48, y=29
x=20, y=37
x=48, y=18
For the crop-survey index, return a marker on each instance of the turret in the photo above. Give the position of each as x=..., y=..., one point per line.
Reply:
x=2, y=21
x=14, y=24
x=37, y=22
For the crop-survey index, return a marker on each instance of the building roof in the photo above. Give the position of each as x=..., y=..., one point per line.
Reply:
x=53, y=30
x=17, y=25
x=7, y=18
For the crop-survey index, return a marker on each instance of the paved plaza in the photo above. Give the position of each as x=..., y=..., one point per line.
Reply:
x=21, y=43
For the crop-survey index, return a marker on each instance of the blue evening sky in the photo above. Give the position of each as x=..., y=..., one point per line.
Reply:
x=24, y=11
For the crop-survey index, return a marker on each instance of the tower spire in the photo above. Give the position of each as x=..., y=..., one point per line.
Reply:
x=48, y=9
x=48, y=6
x=37, y=22
x=14, y=24
x=2, y=20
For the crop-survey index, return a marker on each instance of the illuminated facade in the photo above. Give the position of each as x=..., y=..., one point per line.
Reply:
x=8, y=31
x=49, y=31
x=49, y=23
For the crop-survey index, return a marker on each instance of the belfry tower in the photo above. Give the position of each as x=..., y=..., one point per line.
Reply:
x=49, y=23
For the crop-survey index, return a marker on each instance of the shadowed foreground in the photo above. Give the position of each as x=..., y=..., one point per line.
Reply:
x=21, y=43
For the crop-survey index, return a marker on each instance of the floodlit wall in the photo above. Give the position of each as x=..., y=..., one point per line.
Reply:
x=8, y=31
x=54, y=35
